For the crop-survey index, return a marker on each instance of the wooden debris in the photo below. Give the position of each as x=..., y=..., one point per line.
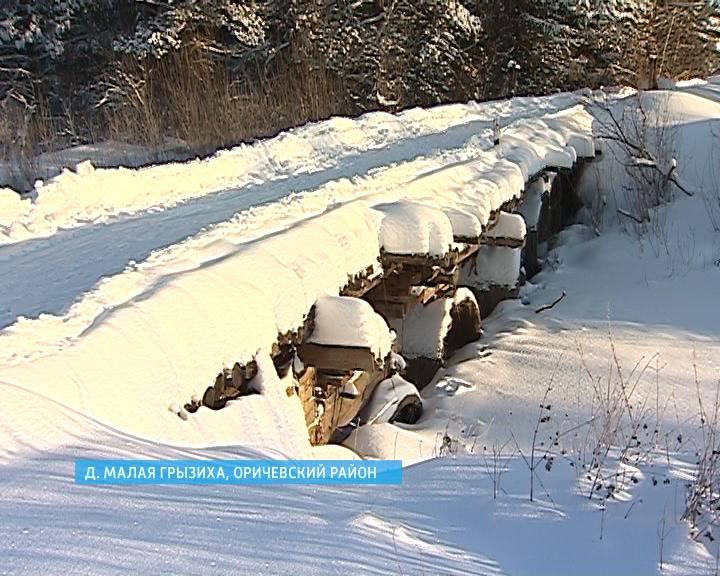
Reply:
x=230, y=384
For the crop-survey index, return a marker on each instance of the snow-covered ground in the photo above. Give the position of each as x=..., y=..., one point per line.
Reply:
x=709, y=88
x=646, y=301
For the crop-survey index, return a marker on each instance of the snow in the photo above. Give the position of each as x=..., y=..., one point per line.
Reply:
x=422, y=332
x=531, y=204
x=94, y=379
x=385, y=399
x=344, y=321
x=494, y=266
x=463, y=223
x=300, y=159
x=669, y=84
x=408, y=228
x=389, y=442
x=507, y=226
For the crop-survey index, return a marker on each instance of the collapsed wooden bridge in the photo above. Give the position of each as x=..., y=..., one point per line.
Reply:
x=432, y=300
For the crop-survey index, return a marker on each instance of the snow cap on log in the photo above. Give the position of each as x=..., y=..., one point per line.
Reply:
x=351, y=322
x=409, y=228
x=422, y=332
x=464, y=224
x=508, y=229
x=494, y=266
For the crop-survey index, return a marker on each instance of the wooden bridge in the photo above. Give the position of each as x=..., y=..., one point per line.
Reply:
x=335, y=380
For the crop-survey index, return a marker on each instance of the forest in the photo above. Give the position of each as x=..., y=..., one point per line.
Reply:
x=213, y=73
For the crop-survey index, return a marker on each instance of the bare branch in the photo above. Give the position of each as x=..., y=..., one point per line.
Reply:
x=551, y=305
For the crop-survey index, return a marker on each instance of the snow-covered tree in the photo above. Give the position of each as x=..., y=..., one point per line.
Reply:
x=223, y=27
x=394, y=54
x=380, y=53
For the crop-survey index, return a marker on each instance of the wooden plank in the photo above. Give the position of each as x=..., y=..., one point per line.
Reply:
x=369, y=279
x=391, y=309
x=468, y=253
x=439, y=291
x=337, y=358
x=505, y=242
x=470, y=240
x=441, y=277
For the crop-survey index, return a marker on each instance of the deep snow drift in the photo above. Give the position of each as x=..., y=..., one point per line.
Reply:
x=464, y=511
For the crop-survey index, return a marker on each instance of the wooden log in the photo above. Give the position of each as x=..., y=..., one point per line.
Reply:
x=489, y=298
x=409, y=410
x=465, y=327
x=324, y=405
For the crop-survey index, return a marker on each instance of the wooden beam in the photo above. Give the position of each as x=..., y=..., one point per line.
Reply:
x=505, y=242
x=337, y=358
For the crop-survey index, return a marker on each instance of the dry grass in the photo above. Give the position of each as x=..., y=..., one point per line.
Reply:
x=201, y=102
x=26, y=130
x=187, y=96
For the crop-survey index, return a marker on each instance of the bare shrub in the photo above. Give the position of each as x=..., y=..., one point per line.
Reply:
x=644, y=145
x=623, y=429
x=643, y=141
x=711, y=180
x=702, y=509
x=445, y=444
x=543, y=453
x=496, y=462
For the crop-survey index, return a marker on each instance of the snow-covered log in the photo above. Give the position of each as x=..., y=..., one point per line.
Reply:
x=428, y=335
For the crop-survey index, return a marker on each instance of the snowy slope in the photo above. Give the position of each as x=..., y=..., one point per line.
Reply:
x=647, y=307
x=442, y=520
